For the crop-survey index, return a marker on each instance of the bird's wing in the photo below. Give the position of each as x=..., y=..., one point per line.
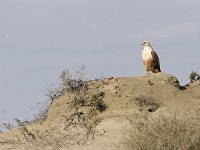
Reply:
x=156, y=60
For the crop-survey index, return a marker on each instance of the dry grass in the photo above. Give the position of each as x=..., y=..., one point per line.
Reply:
x=72, y=132
x=58, y=137
x=163, y=132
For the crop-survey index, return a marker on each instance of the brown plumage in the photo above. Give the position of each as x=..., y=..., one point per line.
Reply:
x=150, y=58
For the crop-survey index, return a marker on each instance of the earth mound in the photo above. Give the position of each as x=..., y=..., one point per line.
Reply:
x=97, y=115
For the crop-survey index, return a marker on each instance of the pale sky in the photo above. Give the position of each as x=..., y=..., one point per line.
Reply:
x=40, y=38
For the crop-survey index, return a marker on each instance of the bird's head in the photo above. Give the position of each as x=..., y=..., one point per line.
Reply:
x=146, y=43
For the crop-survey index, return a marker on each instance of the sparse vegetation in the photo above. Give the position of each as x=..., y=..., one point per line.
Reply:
x=173, y=81
x=69, y=83
x=194, y=76
x=8, y=126
x=78, y=127
x=166, y=132
x=97, y=103
x=147, y=102
x=77, y=105
x=73, y=84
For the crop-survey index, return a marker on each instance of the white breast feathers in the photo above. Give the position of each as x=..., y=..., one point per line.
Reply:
x=146, y=54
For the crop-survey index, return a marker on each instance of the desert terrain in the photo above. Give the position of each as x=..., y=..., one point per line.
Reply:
x=98, y=114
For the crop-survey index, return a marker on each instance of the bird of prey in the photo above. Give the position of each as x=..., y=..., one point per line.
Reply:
x=150, y=58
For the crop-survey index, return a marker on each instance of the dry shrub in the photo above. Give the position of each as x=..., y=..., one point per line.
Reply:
x=78, y=128
x=42, y=113
x=97, y=103
x=163, y=132
x=73, y=83
x=194, y=76
x=8, y=126
x=147, y=102
x=76, y=84
x=173, y=81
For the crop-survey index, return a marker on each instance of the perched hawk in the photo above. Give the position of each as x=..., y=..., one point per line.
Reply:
x=150, y=58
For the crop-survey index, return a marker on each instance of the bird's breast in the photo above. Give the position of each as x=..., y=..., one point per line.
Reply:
x=146, y=55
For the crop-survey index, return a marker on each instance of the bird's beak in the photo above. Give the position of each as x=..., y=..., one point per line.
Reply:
x=142, y=44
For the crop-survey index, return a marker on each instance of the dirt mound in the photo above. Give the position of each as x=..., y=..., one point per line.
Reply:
x=96, y=117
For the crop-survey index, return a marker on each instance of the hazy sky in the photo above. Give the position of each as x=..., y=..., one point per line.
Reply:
x=40, y=38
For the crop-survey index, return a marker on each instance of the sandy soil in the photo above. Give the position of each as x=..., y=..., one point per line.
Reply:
x=108, y=126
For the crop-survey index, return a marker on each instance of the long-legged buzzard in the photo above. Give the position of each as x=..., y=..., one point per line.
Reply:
x=150, y=58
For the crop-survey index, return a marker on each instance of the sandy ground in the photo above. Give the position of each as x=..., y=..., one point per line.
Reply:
x=109, y=126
